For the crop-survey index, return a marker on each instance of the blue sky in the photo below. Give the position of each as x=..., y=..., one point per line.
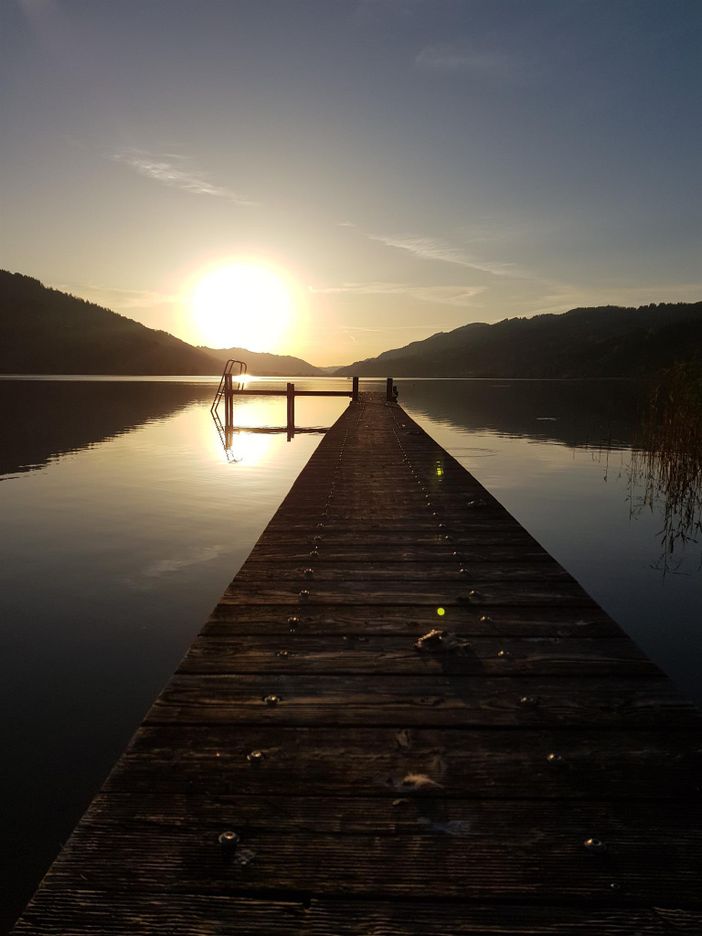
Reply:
x=412, y=164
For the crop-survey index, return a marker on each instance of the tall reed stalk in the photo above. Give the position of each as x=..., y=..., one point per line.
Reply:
x=667, y=461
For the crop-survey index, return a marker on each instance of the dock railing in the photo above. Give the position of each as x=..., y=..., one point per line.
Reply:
x=229, y=389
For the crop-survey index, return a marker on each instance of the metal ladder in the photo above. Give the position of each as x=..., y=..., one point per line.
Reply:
x=227, y=372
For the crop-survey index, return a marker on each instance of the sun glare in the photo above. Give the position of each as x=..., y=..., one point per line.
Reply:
x=243, y=305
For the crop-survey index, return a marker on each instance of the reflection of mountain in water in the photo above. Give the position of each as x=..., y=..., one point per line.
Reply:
x=573, y=412
x=42, y=419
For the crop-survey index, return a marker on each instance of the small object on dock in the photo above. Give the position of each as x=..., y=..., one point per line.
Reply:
x=255, y=757
x=228, y=842
x=304, y=594
x=283, y=653
x=272, y=699
x=245, y=856
x=474, y=595
x=528, y=700
x=293, y=624
x=554, y=758
x=419, y=783
x=503, y=653
x=439, y=640
x=595, y=846
x=484, y=618
x=432, y=640
x=308, y=573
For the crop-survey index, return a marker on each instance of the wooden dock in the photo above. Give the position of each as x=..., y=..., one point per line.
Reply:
x=321, y=764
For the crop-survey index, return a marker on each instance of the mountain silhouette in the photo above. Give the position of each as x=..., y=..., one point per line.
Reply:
x=605, y=341
x=270, y=365
x=46, y=331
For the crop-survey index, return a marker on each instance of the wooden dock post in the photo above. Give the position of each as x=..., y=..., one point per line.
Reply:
x=228, y=400
x=403, y=716
x=291, y=410
x=389, y=397
x=354, y=390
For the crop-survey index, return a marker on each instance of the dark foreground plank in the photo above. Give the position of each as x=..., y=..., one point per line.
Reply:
x=103, y=913
x=213, y=760
x=379, y=788
x=391, y=654
x=418, y=848
x=454, y=699
x=518, y=620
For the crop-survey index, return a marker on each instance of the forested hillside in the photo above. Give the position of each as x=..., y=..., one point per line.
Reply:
x=46, y=331
x=606, y=341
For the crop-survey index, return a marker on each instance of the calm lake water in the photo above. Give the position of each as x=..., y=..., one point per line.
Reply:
x=123, y=520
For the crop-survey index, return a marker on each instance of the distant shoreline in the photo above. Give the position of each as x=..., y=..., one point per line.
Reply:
x=213, y=378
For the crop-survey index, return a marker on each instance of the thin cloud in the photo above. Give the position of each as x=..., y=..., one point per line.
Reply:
x=431, y=248
x=370, y=12
x=172, y=169
x=459, y=57
x=402, y=328
x=446, y=295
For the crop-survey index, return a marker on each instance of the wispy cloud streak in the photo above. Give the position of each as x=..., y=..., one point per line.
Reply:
x=460, y=57
x=445, y=295
x=431, y=248
x=173, y=169
x=423, y=326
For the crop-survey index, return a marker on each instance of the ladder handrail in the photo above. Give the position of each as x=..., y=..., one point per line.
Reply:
x=243, y=369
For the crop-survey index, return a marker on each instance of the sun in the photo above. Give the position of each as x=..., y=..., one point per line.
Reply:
x=242, y=305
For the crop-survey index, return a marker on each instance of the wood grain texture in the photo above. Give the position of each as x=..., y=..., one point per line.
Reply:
x=374, y=761
x=450, y=571
x=470, y=619
x=535, y=593
x=384, y=790
x=384, y=653
x=438, y=850
x=94, y=913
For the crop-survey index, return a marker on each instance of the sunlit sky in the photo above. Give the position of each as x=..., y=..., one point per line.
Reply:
x=400, y=166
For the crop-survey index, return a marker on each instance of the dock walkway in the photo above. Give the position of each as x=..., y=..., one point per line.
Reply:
x=526, y=770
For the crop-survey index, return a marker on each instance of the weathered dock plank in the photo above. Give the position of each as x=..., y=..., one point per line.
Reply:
x=105, y=913
x=516, y=620
x=448, y=699
x=383, y=653
x=528, y=772
x=592, y=764
x=452, y=851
